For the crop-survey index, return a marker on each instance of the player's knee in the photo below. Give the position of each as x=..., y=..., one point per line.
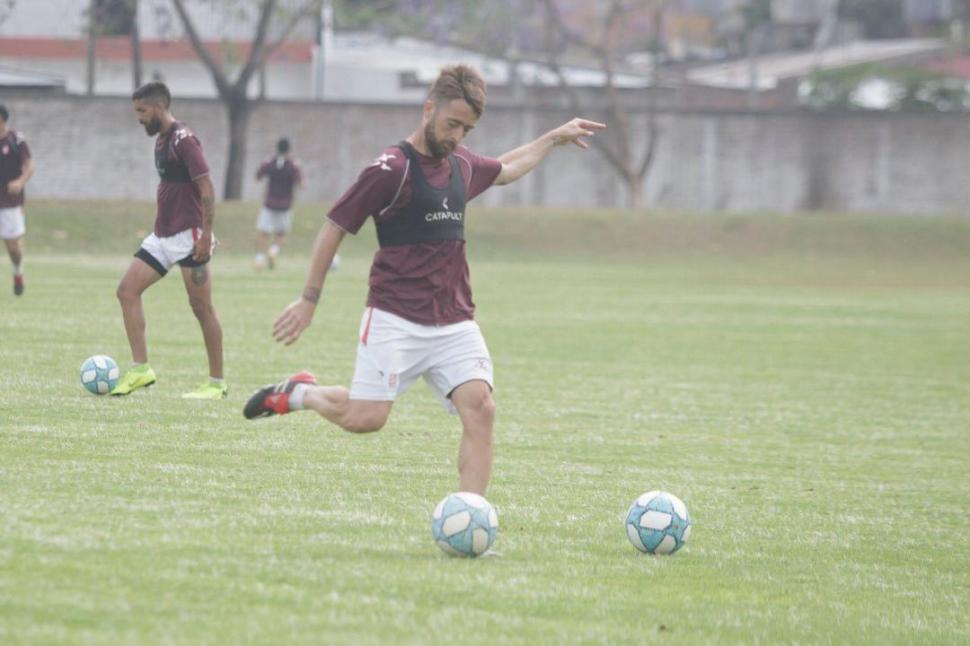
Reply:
x=364, y=424
x=125, y=293
x=365, y=420
x=201, y=308
x=483, y=405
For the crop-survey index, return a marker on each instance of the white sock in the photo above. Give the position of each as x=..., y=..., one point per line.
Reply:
x=274, y=250
x=296, y=397
x=18, y=269
x=217, y=382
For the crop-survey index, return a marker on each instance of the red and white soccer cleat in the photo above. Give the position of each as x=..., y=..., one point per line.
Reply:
x=18, y=285
x=274, y=399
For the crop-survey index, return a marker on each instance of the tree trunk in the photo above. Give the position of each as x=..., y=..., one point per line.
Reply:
x=635, y=185
x=238, y=110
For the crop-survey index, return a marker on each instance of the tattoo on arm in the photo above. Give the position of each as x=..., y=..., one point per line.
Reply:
x=208, y=210
x=199, y=275
x=311, y=294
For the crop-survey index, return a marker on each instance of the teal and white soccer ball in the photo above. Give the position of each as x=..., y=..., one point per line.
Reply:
x=99, y=374
x=464, y=524
x=657, y=523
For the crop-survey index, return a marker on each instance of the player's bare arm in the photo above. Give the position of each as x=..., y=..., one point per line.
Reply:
x=299, y=314
x=520, y=161
x=203, y=246
x=15, y=186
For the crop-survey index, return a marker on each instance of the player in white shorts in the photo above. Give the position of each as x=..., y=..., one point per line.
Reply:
x=183, y=235
x=16, y=167
x=283, y=176
x=393, y=352
x=419, y=317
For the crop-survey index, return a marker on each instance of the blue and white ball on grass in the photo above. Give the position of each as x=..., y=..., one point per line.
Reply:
x=99, y=374
x=658, y=523
x=464, y=524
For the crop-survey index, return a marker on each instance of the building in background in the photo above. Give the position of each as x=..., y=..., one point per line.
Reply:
x=364, y=67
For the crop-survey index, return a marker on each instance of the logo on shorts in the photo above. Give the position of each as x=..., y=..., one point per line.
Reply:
x=483, y=364
x=392, y=380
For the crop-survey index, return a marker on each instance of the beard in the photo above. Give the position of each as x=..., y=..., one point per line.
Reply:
x=438, y=149
x=153, y=127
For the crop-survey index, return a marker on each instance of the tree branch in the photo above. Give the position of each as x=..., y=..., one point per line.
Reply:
x=576, y=104
x=552, y=10
x=308, y=10
x=258, y=43
x=222, y=83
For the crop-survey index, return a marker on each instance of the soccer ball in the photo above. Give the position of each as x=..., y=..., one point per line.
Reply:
x=657, y=523
x=99, y=374
x=464, y=524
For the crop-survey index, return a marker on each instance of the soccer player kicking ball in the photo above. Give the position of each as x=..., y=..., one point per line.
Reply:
x=182, y=236
x=419, y=316
x=16, y=167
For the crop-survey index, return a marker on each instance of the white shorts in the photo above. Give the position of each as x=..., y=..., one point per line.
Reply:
x=393, y=352
x=12, y=223
x=161, y=253
x=278, y=222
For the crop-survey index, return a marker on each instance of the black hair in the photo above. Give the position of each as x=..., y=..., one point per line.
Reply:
x=154, y=92
x=283, y=146
x=3, y=112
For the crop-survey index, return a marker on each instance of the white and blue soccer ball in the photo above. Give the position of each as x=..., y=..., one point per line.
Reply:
x=464, y=524
x=99, y=374
x=658, y=523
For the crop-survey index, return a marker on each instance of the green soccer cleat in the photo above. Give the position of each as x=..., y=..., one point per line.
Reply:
x=141, y=377
x=208, y=390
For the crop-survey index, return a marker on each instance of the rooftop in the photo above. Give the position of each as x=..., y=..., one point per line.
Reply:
x=773, y=68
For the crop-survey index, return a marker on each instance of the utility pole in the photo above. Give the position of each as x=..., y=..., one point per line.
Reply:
x=92, y=44
x=322, y=49
x=135, y=47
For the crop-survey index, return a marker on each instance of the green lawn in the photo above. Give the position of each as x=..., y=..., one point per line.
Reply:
x=801, y=382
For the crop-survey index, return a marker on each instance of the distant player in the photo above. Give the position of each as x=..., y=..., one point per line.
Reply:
x=183, y=236
x=16, y=167
x=284, y=176
x=419, y=316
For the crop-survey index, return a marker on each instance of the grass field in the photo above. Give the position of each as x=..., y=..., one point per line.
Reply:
x=802, y=383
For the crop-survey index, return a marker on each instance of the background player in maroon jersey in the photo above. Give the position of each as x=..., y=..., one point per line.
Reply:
x=182, y=236
x=419, y=315
x=283, y=176
x=16, y=167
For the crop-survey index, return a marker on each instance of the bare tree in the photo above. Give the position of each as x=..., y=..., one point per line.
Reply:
x=235, y=93
x=632, y=165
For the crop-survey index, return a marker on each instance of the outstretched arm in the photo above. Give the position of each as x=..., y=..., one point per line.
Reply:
x=299, y=314
x=520, y=161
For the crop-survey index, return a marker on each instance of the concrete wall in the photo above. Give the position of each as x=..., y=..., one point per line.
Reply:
x=94, y=148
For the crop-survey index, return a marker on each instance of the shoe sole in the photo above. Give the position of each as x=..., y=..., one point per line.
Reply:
x=148, y=385
x=254, y=405
x=189, y=396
